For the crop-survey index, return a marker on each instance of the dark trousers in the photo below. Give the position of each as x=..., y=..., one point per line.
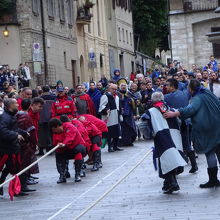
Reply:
x=112, y=142
x=45, y=140
x=63, y=157
x=211, y=158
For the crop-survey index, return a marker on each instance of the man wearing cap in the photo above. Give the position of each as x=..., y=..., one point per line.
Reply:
x=63, y=105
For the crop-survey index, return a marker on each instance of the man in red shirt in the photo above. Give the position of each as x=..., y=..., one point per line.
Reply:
x=72, y=146
x=63, y=105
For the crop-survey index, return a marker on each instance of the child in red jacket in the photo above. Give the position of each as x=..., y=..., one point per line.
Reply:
x=72, y=146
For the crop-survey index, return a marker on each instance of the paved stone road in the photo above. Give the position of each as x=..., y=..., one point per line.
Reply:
x=139, y=196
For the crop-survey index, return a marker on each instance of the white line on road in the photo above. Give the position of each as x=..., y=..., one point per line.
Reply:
x=94, y=186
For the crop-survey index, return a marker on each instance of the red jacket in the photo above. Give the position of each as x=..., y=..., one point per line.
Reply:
x=35, y=119
x=101, y=125
x=19, y=100
x=82, y=130
x=63, y=106
x=91, y=129
x=70, y=137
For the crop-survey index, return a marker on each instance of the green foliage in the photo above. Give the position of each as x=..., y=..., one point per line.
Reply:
x=6, y=5
x=151, y=24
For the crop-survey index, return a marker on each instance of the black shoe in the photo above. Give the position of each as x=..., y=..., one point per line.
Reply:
x=34, y=177
x=1, y=191
x=179, y=170
x=110, y=149
x=166, y=185
x=82, y=174
x=100, y=165
x=61, y=180
x=95, y=167
x=84, y=166
x=117, y=149
x=67, y=175
x=21, y=194
x=77, y=177
x=31, y=182
x=26, y=189
x=213, y=180
x=41, y=152
x=193, y=169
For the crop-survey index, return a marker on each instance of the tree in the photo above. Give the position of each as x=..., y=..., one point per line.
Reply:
x=6, y=6
x=151, y=25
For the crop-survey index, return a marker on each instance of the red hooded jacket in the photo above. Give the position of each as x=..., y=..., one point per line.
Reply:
x=91, y=129
x=101, y=125
x=70, y=137
x=63, y=106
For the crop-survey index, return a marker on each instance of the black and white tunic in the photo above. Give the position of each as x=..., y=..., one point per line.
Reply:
x=108, y=102
x=167, y=141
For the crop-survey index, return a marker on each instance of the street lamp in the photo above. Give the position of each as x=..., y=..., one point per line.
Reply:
x=6, y=32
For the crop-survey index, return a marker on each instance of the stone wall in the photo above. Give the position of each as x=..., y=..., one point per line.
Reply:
x=188, y=36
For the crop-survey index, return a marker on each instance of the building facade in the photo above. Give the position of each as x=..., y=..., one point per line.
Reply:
x=92, y=40
x=120, y=40
x=190, y=21
x=38, y=30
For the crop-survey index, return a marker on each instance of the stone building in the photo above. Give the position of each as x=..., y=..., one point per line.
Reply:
x=190, y=21
x=120, y=36
x=92, y=40
x=38, y=28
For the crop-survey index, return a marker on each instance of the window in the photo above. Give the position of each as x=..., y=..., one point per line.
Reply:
x=98, y=19
x=216, y=47
x=131, y=40
x=65, y=62
x=127, y=37
x=61, y=10
x=123, y=34
x=51, y=8
x=119, y=34
x=70, y=12
x=36, y=6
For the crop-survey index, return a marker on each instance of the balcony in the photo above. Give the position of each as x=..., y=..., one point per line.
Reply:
x=187, y=6
x=83, y=16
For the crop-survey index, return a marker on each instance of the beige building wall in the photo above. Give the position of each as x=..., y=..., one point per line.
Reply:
x=10, y=52
x=93, y=35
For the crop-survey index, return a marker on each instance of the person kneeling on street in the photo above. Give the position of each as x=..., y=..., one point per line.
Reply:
x=71, y=145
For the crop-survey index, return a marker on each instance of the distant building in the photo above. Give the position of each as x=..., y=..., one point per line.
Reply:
x=54, y=35
x=92, y=40
x=190, y=21
x=120, y=36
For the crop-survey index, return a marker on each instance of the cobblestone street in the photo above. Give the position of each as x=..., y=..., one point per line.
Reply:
x=139, y=196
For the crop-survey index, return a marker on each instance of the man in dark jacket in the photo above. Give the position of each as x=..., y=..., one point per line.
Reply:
x=10, y=136
x=45, y=140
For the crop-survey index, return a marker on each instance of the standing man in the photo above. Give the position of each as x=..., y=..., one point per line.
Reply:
x=128, y=109
x=63, y=105
x=110, y=112
x=95, y=95
x=10, y=137
x=179, y=99
x=204, y=111
x=34, y=113
x=84, y=103
x=45, y=141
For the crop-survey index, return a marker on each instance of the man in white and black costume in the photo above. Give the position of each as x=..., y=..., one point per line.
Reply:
x=109, y=110
x=167, y=142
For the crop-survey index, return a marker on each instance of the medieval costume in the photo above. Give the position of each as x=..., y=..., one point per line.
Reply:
x=166, y=142
x=128, y=127
x=95, y=95
x=84, y=104
x=109, y=110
